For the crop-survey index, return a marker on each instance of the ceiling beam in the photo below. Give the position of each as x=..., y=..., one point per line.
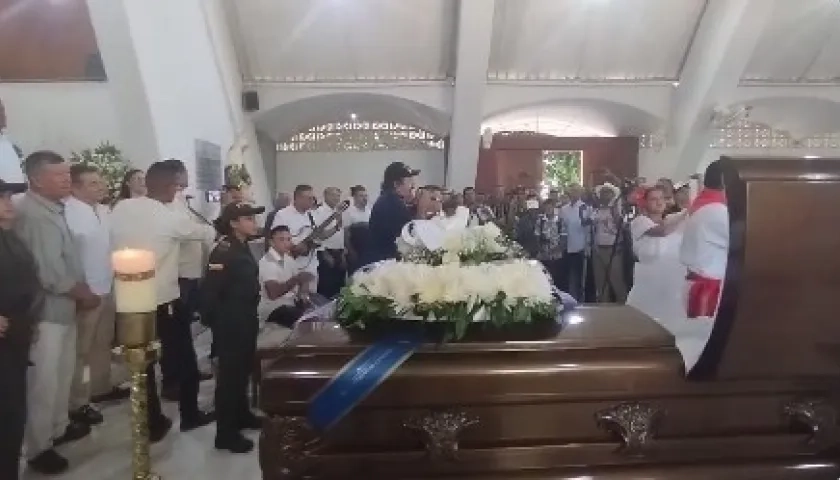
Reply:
x=474, y=34
x=726, y=39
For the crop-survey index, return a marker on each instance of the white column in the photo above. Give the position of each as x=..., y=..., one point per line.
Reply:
x=726, y=38
x=475, y=29
x=173, y=79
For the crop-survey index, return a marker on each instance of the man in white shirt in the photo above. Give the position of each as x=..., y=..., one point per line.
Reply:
x=355, y=220
x=284, y=286
x=191, y=262
x=148, y=223
x=332, y=266
x=10, y=168
x=576, y=217
x=359, y=209
x=705, y=246
x=300, y=220
x=88, y=222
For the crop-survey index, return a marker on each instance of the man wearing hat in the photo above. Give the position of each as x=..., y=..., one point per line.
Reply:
x=19, y=302
x=390, y=213
x=230, y=295
x=607, y=251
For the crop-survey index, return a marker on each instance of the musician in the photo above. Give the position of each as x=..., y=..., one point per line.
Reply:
x=229, y=297
x=390, y=213
x=284, y=293
x=705, y=245
x=332, y=266
x=355, y=220
x=281, y=201
x=300, y=220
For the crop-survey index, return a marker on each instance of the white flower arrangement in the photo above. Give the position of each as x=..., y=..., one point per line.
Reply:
x=470, y=245
x=499, y=293
x=108, y=161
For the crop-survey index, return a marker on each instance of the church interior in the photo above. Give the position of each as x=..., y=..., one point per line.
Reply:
x=486, y=105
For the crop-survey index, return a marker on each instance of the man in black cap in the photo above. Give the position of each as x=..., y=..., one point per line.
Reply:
x=230, y=294
x=19, y=303
x=390, y=213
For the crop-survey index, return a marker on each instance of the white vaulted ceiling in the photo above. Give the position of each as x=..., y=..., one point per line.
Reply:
x=592, y=39
x=568, y=67
x=801, y=44
x=340, y=40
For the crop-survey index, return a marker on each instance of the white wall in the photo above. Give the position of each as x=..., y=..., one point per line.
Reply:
x=345, y=169
x=63, y=117
x=713, y=154
x=652, y=165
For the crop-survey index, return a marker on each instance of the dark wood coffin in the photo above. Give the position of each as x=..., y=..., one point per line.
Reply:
x=608, y=397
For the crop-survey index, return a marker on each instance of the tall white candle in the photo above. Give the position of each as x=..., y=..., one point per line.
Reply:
x=134, y=281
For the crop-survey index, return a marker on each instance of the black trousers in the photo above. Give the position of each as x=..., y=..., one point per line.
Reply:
x=237, y=344
x=189, y=295
x=173, y=329
x=13, y=364
x=330, y=277
x=573, y=266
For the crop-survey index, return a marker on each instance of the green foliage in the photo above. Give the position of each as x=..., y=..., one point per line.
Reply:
x=561, y=167
x=237, y=175
x=109, y=161
x=353, y=311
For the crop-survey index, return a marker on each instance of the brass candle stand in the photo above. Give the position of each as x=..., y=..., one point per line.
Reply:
x=139, y=346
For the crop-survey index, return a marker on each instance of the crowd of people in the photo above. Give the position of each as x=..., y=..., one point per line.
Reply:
x=57, y=318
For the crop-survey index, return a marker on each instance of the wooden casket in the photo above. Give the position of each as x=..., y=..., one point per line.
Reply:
x=608, y=397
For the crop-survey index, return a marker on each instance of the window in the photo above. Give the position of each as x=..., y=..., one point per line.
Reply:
x=359, y=136
x=745, y=134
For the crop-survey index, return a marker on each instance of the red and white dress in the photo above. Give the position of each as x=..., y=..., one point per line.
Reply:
x=704, y=252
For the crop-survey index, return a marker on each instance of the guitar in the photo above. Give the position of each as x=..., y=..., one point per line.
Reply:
x=313, y=236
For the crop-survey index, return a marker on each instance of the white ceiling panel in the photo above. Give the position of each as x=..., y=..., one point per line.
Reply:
x=801, y=44
x=592, y=39
x=340, y=40
x=586, y=118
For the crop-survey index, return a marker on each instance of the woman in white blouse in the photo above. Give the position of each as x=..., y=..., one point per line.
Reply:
x=659, y=276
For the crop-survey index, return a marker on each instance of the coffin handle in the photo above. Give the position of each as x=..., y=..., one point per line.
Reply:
x=440, y=432
x=286, y=447
x=818, y=416
x=636, y=423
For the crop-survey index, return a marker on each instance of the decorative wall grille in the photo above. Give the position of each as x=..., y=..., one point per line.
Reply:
x=360, y=136
x=746, y=134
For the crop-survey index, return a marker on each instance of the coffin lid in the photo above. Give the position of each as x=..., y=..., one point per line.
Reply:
x=778, y=316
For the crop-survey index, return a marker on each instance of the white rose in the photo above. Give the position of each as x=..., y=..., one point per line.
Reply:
x=491, y=230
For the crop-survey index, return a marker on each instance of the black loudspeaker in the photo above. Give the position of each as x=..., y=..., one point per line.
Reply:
x=250, y=101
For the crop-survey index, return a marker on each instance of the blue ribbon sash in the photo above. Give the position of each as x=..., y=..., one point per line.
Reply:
x=358, y=379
